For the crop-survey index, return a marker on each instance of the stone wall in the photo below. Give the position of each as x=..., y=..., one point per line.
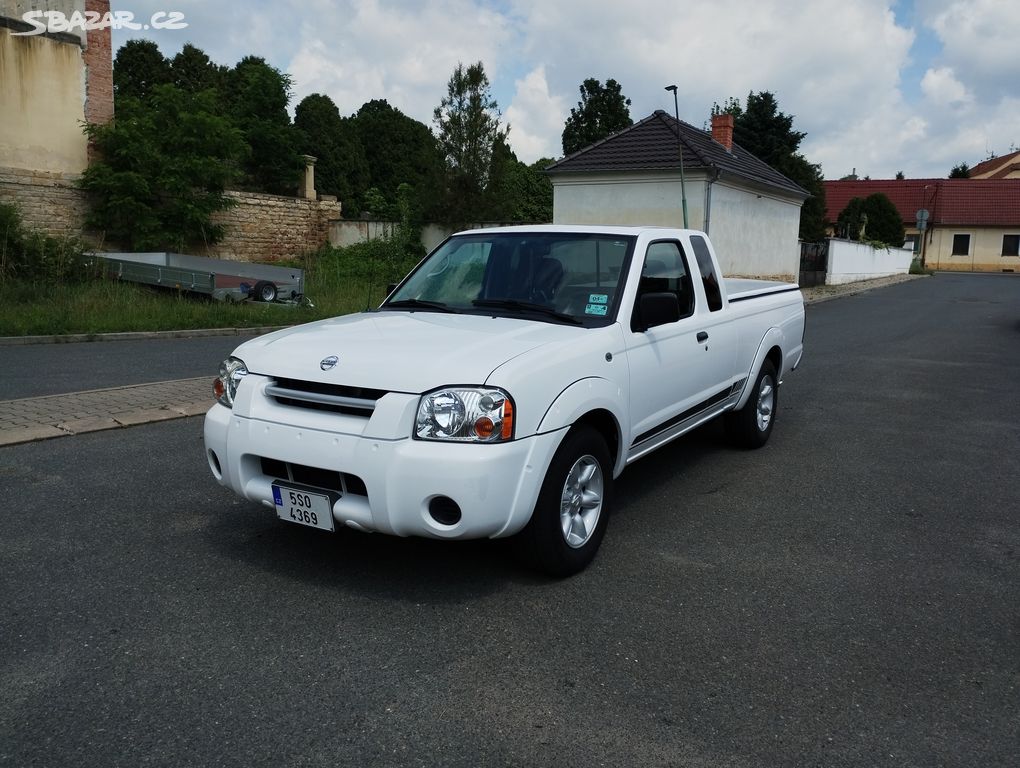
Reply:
x=348, y=232
x=49, y=202
x=270, y=227
x=259, y=228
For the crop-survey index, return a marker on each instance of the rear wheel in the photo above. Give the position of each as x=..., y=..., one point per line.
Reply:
x=751, y=426
x=572, y=511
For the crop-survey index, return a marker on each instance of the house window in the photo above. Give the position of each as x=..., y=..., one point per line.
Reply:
x=961, y=245
x=1011, y=245
x=912, y=242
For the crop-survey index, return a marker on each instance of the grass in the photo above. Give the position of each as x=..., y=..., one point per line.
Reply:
x=336, y=284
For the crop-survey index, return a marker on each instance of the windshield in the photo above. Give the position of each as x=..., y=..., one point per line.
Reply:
x=557, y=277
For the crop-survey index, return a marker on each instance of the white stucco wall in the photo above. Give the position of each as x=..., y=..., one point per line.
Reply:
x=850, y=262
x=42, y=104
x=754, y=233
x=628, y=200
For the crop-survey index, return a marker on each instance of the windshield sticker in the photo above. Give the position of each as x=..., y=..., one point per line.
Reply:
x=596, y=309
x=598, y=298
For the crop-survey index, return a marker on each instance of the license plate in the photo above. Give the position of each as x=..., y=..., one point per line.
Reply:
x=296, y=505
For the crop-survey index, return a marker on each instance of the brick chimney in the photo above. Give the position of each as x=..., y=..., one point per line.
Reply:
x=722, y=130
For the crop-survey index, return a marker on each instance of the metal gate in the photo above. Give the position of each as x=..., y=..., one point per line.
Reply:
x=814, y=263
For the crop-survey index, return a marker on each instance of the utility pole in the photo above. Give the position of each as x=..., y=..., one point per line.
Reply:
x=680, y=153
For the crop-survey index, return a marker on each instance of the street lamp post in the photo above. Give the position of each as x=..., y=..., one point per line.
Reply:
x=680, y=153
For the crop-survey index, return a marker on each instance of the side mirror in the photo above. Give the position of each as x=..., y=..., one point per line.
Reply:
x=390, y=288
x=657, y=309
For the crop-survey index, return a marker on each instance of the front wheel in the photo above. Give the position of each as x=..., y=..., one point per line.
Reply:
x=572, y=512
x=751, y=426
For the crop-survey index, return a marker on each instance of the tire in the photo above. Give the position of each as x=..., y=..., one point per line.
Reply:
x=572, y=512
x=264, y=291
x=751, y=426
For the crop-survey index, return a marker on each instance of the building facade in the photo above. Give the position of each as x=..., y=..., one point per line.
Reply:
x=972, y=224
x=750, y=211
x=50, y=84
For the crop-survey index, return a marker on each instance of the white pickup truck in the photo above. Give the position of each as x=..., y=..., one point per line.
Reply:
x=503, y=385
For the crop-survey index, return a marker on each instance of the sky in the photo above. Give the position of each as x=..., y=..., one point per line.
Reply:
x=915, y=85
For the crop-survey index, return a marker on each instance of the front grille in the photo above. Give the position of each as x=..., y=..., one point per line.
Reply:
x=341, y=482
x=333, y=398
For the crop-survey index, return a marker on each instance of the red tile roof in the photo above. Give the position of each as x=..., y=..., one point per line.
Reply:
x=958, y=202
x=995, y=162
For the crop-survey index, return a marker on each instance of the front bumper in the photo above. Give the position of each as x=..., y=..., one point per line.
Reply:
x=495, y=486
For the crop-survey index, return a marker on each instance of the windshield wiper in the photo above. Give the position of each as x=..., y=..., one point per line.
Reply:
x=428, y=306
x=527, y=306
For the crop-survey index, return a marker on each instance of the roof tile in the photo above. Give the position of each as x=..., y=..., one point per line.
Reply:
x=955, y=202
x=650, y=145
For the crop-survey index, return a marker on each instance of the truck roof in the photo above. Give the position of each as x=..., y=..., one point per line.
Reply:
x=595, y=229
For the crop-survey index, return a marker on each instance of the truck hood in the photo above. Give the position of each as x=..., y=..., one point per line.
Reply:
x=399, y=351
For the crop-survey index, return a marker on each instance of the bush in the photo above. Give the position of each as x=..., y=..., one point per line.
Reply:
x=33, y=256
x=917, y=269
x=873, y=218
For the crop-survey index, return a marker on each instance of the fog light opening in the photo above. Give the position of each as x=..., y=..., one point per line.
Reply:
x=444, y=510
x=214, y=465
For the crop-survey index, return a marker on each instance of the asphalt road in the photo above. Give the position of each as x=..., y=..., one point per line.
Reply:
x=37, y=370
x=846, y=596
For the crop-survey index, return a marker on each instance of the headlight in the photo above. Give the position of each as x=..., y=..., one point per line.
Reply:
x=232, y=371
x=466, y=414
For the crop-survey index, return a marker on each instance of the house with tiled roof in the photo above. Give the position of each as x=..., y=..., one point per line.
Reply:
x=750, y=210
x=1005, y=167
x=972, y=224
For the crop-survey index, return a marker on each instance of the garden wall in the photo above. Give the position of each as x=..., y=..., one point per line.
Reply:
x=258, y=228
x=49, y=202
x=850, y=261
x=271, y=227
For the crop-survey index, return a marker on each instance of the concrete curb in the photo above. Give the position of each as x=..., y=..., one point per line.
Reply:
x=40, y=418
x=821, y=293
x=75, y=338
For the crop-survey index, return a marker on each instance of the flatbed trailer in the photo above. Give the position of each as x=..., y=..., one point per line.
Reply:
x=220, y=279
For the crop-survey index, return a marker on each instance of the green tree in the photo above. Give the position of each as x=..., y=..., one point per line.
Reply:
x=961, y=171
x=768, y=134
x=257, y=96
x=400, y=150
x=166, y=162
x=467, y=122
x=601, y=112
x=900, y=176
x=341, y=168
x=874, y=217
x=137, y=69
x=192, y=70
x=517, y=192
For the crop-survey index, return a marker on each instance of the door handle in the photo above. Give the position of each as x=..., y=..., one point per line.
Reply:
x=702, y=336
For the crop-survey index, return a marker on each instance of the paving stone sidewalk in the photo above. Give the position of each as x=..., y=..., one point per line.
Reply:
x=40, y=418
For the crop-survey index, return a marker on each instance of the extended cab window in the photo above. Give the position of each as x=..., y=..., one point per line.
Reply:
x=708, y=276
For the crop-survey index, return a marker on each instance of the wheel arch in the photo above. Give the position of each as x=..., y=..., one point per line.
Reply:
x=771, y=349
x=595, y=402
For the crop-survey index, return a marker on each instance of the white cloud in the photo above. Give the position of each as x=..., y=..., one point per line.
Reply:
x=536, y=118
x=357, y=51
x=941, y=86
x=979, y=39
x=836, y=66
